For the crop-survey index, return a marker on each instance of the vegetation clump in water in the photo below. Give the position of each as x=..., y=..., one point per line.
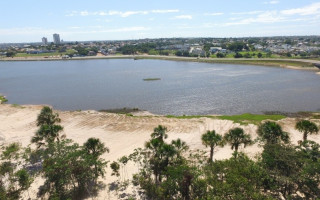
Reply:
x=151, y=79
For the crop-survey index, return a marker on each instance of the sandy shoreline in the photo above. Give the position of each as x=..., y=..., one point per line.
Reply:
x=176, y=58
x=122, y=133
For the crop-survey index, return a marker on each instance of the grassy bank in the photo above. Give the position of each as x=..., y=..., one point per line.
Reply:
x=248, y=118
x=245, y=118
x=278, y=62
x=265, y=62
x=3, y=99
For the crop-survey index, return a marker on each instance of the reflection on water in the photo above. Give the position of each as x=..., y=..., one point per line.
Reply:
x=185, y=87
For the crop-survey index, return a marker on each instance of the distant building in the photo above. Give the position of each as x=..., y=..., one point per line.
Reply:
x=56, y=38
x=197, y=51
x=215, y=49
x=44, y=41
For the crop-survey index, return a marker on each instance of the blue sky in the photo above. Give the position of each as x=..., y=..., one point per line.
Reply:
x=30, y=20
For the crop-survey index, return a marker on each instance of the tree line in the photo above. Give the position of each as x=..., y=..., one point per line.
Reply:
x=167, y=170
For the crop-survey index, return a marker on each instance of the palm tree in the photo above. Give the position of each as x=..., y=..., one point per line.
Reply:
x=210, y=138
x=160, y=154
x=180, y=146
x=47, y=133
x=159, y=133
x=95, y=148
x=307, y=127
x=272, y=133
x=235, y=137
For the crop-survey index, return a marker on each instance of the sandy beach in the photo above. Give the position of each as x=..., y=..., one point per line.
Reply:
x=122, y=133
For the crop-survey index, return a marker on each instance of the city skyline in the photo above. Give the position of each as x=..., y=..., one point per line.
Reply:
x=102, y=20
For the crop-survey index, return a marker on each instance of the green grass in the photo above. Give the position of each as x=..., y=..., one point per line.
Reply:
x=248, y=118
x=3, y=99
x=265, y=62
x=17, y=106
x=264, y=54
x=121, y=110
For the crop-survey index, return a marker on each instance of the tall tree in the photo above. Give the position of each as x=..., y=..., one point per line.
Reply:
x=211, y=139
x=95, y=148
x=272, y=133
x=283, y=165
x=159, y=133
x=70, y=174
x=47, y=117
x=307, y=127
x=49, y=130
x=180, y=146
x=235, y=137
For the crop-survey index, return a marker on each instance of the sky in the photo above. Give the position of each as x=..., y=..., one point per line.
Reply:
x=84, y=20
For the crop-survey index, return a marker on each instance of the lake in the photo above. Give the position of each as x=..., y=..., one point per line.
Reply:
x=188, y=88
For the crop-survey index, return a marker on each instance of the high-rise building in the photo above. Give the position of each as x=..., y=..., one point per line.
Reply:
x=44, y=41
x=56, y=38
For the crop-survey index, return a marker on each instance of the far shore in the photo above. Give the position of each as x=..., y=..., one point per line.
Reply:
x=301, y=64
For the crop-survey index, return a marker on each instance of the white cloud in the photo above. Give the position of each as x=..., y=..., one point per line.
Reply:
x=266, y=17
x=183, y=17
x=128, y=13
x=125, y=29
x=164, y=11
x=74, y=27
x=248, y=13
x=72, y=13
x=101, y=13
x=84, y=13
x=214, y=14
x=210, y=25
x=313, y=9
x=235, y=18
x=271, y=2
x=119, y=13
x=95, y=27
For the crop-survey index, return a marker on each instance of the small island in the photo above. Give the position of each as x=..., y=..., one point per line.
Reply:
x=151, y=79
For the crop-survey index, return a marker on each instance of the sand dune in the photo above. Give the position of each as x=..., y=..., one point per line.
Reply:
x=122, y=134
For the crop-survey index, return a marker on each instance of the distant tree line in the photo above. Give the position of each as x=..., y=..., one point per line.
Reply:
x=139, y=48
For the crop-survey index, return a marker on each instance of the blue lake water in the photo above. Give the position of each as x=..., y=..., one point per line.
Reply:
x=185, y=87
